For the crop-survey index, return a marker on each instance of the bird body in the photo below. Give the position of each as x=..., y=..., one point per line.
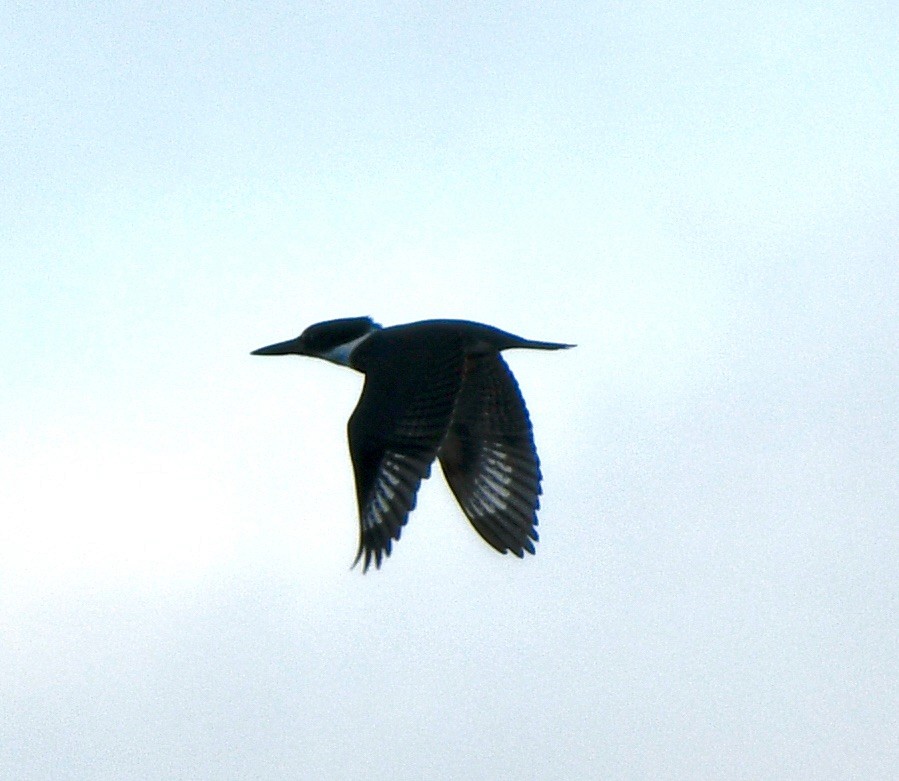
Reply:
x=434, y=389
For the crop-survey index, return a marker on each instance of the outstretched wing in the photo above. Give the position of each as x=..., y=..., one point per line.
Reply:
x=489, y=457
x=394, y=433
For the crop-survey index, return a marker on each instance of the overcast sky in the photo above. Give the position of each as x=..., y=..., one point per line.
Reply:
x=703, y=196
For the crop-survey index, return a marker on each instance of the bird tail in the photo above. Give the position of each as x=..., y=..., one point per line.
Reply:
x=532, y=345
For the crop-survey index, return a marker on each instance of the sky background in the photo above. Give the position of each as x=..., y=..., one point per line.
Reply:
x=703, y=196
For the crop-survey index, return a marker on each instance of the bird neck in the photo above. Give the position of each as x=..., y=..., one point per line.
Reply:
x=340, y=354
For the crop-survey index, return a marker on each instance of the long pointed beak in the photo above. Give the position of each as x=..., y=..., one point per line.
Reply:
x=290, y=347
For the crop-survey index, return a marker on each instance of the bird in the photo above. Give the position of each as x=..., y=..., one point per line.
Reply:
x=434, y=390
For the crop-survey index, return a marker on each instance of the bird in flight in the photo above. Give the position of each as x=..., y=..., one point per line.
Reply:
x=434, y=389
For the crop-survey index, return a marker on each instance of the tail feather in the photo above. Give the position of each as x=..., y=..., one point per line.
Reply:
x=532, y=345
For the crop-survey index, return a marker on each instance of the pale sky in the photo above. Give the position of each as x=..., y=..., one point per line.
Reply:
x=704, y=197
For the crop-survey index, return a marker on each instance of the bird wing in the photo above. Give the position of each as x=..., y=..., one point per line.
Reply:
x=489, y=457
x=394, y=434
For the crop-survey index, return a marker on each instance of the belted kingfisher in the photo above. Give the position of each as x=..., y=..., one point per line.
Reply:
x=434, y=389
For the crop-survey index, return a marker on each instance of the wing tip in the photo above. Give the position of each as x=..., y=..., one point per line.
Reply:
x=377, y=553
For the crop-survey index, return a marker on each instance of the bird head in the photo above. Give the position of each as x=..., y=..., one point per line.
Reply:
x=332, y=340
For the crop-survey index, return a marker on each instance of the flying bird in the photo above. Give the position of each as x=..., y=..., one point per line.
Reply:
x=434, y=389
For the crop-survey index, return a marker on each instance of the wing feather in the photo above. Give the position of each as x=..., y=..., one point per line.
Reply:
x=394, y=434
x=489, y=457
